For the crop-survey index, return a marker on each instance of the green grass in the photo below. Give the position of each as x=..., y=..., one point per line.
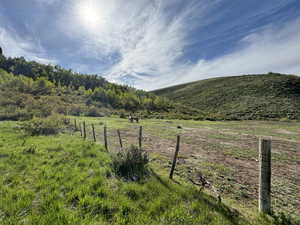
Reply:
x=225, y=152
x=62, y=179
x=241, y=97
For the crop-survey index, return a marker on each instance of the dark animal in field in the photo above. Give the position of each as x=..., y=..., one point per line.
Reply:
x=132, y=119
x=179, y=127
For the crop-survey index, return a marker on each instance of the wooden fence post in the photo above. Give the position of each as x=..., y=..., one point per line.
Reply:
x=80, y=129
x=105, y=138
x=75, y=124
x=120, y=139
x=94, y=135
x=175, y=156
x=84, y=130
x=264, y=176
x=140, y=137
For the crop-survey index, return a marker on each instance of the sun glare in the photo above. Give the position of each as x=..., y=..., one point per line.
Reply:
x=90, y=15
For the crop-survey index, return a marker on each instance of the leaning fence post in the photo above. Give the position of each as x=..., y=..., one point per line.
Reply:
x=80, y=129
x=140, y=137
x=84, y=130
x=175, y=156
x=94, y=135
x=120, y=139
x=265, y=176
x=105, y=138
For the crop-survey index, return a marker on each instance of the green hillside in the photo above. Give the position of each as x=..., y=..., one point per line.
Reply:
x=241, y=97
x=29, y=89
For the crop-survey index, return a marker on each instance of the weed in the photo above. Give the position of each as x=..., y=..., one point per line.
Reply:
x=131, y=163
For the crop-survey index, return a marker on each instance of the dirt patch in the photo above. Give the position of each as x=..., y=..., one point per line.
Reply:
x=283, y=131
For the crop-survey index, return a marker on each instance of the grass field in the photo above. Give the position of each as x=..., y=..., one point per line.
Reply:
x=226, y=153
x=63, y=179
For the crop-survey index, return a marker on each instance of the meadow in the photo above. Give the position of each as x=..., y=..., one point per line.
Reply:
x=63, y=179
x=224, y=152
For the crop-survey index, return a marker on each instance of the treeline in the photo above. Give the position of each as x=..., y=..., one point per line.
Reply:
x=31, y=89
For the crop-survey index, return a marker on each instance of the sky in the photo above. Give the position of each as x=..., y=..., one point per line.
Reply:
x=150, y=44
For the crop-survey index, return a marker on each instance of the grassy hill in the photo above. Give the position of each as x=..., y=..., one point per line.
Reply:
x=241, y=97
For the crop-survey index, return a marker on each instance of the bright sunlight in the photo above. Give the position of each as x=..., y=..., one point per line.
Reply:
x=90, y=15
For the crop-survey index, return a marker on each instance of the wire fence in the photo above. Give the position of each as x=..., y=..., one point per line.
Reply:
x=116, y=140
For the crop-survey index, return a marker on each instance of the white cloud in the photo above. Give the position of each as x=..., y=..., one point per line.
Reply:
x=144, y=42
x=14, y=46
x=141, y=37
x=274, y=49
x=270, y=50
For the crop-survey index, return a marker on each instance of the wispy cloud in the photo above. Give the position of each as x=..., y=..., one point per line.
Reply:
x=15, y=46
x=141, y=38
x=145, y=43
x=156, y=43
x=271, y=50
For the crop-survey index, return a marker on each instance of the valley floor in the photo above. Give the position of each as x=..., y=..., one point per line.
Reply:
x=63, y=179
x=226, y=153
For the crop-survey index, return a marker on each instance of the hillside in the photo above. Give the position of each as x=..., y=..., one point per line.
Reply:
x=241, y=97
x=28, y=89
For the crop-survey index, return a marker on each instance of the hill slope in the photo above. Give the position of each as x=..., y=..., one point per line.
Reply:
x=28, y=89
x=241, y=97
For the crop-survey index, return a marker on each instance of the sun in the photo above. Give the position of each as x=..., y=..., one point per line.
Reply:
x=90, y=15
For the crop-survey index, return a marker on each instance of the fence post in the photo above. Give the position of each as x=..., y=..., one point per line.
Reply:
x=120, y=139
x=105, y=138
x=75, y=124
x=80, y=129
x=265, y=176
x=175, y=156
x=140, y=137
x=94, y=135
x=84, y=130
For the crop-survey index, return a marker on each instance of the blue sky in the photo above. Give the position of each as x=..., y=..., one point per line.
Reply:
x=155, y=43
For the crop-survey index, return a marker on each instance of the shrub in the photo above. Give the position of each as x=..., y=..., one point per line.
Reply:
x=76, y=110
x=44, y=126
x=94, y=112
x=17, y=114
x=123, y=115
x=131, y=163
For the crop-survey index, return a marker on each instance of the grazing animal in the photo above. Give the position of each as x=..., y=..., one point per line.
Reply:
x=132, y=119
x=179, y=127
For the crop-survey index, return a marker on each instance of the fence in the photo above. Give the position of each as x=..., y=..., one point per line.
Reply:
x=100, y=134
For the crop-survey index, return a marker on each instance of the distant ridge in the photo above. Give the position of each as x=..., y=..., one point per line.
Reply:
x=261, y=96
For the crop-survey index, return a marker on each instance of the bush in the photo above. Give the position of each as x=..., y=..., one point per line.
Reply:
x=17, y=114
x=94, y=112
x=123, y=115
x=131, y=163
x=44, y=126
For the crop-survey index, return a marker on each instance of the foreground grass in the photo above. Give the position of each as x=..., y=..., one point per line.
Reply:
x=225, y=152
x=64, y=180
